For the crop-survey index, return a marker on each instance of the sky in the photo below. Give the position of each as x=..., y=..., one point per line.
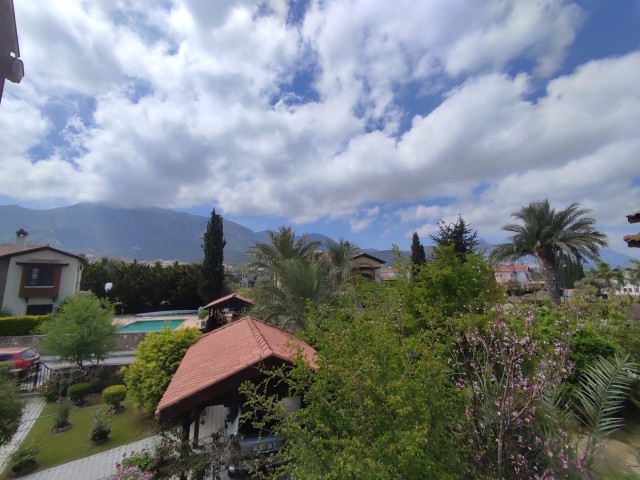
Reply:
x=361, y=119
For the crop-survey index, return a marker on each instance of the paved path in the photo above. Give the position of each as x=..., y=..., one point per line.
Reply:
x=95, y=467
x=32, y=409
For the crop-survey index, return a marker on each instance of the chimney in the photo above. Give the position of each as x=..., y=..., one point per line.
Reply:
x=21, y=239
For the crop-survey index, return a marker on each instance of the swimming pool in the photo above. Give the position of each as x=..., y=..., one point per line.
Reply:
x=150, y=326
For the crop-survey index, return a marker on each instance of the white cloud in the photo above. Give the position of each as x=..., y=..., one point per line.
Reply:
x=196, y=103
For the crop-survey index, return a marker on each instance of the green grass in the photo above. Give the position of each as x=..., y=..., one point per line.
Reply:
x=56, y=449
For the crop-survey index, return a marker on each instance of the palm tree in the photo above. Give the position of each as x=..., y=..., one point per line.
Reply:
x=606, y=278
x=300, y=284
x=549, y=234
x=339, y=254
x=282, y=248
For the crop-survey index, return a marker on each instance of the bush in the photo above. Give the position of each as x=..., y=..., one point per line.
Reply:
x=50, y=390
x=23, y=325
x=143, y=460
x=61, y=420
x=101, y=427
x=114, y=396
x=129, y=473
x=78, y=391
x=24, y=458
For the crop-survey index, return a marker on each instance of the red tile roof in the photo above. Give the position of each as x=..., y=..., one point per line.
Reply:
x=226, y=299
x=10, y=248
x=229, y=350
x=632, y=239
x=511, y=268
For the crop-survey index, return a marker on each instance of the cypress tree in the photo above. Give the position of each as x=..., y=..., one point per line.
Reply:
x=212, y=270
x=418, y=256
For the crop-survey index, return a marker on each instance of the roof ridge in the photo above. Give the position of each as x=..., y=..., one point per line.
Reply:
x=257, y=334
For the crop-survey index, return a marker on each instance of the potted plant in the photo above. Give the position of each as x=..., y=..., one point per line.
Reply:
x=100, y=429
x=24, y=460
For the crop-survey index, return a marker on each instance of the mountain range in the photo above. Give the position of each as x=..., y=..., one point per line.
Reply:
x=153, y=234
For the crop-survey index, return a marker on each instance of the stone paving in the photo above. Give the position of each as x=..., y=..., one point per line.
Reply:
x=95, y=467
x=32, y=409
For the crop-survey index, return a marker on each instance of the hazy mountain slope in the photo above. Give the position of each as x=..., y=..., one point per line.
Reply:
x=155, y=233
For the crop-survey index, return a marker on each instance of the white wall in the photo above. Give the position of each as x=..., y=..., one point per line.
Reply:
x=69, y=281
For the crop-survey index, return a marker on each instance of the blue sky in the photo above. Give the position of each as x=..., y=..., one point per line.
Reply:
x=366, y=120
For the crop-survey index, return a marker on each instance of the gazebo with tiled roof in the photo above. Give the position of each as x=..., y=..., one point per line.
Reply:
x=214, y=367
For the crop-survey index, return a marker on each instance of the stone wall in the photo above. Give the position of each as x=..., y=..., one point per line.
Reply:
x=124, y=341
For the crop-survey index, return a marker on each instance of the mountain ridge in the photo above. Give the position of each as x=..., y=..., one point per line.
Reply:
x=153, y=233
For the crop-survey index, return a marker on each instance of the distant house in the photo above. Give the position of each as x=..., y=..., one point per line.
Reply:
x=368, y=266
x=516, y=277
x=36, y=278
x=389, y=274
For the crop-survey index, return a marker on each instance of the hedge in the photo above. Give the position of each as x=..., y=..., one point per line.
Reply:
x=20, y=326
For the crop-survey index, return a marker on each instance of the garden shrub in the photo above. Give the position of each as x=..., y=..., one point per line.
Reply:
x=78, y=391
x=61, y=420
x=24, y=458
x=22, y=325
x=114, y=396
x=144, y=460
x=101, y=427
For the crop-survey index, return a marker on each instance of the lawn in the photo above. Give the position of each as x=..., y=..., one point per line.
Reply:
x=56, y=449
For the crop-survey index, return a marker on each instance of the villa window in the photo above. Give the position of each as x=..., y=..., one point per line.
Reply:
x=41, y=276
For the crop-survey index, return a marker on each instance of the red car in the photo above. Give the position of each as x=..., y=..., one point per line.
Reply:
x=22, y=358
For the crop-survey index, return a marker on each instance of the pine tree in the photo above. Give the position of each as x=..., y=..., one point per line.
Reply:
x=459, y=235
x=418, y=256
x=212, y=270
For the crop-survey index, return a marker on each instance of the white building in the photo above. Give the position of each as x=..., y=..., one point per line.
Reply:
x=34, y=279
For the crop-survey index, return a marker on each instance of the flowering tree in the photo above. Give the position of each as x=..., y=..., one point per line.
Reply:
x=510, y=377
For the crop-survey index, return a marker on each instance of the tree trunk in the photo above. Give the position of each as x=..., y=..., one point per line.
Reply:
x=553, y=281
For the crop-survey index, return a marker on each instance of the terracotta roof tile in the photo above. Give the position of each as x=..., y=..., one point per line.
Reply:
x=511, y=268
x=10, y=248
x=227, y=298
x=229, y=350
x=632, y=238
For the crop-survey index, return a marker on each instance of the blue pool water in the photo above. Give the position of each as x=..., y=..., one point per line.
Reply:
x=150, y=326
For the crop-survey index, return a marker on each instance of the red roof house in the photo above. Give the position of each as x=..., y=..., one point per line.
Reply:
x=215, y=366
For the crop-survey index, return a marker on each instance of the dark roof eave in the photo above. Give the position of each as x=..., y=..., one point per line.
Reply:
x=46, y=247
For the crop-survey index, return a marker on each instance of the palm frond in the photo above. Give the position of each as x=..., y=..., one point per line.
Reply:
x=602, y=392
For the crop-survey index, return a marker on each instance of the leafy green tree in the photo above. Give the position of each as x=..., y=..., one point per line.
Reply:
x=418, y=257
x=212, y=273
x=81, y=330
x=379, y=406
x=158, y=357
x=571, y=270
x=448, y=286
x=141, y=287
x=10, y=405
x=459, y=235
x=550, y=235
